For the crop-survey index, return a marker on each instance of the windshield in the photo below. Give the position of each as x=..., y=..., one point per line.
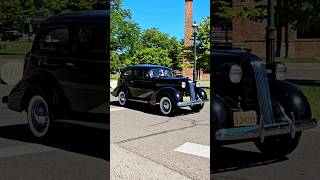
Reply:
x=160, y=72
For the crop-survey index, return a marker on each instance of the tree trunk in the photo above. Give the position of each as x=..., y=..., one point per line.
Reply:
x=279, y=41
x=286, y=39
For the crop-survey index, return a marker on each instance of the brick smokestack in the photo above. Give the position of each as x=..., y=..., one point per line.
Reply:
x=188, y=37
x=188, y=23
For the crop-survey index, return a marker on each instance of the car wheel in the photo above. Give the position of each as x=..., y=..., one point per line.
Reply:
x=197, y=107
x=122, y=98
x=167, y=106
x=278, y=145
x=39, y=116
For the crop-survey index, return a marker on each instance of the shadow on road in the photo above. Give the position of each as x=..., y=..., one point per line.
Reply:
x=228, y=159
x=77, y=139
x=150, y=109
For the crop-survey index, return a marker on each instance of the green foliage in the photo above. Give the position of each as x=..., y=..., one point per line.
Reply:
x=222, y=12
x=203, y=50
x=15, y=12
x=131, y=46
x=152, y=55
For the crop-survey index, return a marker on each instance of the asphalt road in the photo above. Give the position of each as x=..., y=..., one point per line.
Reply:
x=146, y=145
x=72, y=152
x=244, y=162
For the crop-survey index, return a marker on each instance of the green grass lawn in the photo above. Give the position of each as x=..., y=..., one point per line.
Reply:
x=300, y=60
x=313, y=95
x=14, y=49
x=114, y=76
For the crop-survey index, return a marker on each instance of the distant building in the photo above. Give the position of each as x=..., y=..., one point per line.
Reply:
x=303, y=41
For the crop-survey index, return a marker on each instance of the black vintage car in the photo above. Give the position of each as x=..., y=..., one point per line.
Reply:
x=156, y=85
x=252, y=101
x=65, y=72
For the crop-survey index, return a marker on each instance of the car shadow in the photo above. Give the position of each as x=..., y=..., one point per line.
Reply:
x=72, y=138
x=226, y=159
x=148, y=109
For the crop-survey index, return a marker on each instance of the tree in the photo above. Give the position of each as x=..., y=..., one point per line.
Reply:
x=153, y=55
x=124, y=35
x=203, y=45
x=153, y=38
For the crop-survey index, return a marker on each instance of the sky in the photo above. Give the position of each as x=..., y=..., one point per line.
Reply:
x=165, y=15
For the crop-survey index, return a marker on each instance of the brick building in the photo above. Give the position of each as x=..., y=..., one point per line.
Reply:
x=303, y=41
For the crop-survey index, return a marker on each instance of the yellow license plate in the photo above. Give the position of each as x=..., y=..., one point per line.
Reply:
x=186, y=98
x=247, y=118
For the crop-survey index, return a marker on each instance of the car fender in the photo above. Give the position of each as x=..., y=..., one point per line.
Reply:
x=291, y=99
x=219, y=113
x=170, y=91
x=38, y=82
x=116, y=91
x=202, y=93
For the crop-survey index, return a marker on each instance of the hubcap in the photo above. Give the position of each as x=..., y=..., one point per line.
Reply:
x=122, y=98
x=38, y=116
x=165, y=105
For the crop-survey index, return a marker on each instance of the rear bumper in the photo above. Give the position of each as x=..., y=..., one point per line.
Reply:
x=191, y=103
x=261, y=131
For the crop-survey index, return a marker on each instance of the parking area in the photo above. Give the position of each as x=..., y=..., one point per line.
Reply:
x=144, y=143
x=72, y=152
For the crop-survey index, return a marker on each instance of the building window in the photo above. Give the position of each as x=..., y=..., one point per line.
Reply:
x=308, y=31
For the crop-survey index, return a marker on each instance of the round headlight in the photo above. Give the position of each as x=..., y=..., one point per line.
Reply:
x=197, y=84
x=281, y=71
x=183, y=85
x=235, y=74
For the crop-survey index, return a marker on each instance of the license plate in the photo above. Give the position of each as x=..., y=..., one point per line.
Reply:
x=186, y=98
x=247, y=118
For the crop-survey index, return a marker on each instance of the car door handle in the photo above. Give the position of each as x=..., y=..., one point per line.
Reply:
x=69, y=64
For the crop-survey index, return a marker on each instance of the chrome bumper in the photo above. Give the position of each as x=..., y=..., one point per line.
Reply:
x=191, y=103
x=264, y=130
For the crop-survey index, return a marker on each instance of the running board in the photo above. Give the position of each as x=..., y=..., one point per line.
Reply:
x=137, y=100
x=102, y=126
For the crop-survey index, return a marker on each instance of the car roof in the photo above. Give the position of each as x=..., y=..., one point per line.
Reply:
x=74, y=16
x=146, y=66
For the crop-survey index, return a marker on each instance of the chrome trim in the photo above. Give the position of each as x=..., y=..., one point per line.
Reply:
x=262, y=87
x=136, y=100
x=191, y=103
x=192, y=91
x=263, y=130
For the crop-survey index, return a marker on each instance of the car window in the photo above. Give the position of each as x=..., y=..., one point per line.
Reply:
x=160, y=72
x=127, y=73
x=91, y=42
x=55, y=40
x=138, y=73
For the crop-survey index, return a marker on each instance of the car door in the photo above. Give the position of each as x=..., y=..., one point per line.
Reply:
x=50, y=51
x=143, y=84
x=87, y=91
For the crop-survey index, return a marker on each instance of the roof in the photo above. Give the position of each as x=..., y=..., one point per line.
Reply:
x=87, y=15
x=149, y=66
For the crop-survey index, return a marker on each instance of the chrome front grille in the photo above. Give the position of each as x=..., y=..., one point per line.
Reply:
x=192, y=91
x=263, y=91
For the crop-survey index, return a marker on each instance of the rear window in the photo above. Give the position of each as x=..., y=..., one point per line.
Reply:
x=55, y=40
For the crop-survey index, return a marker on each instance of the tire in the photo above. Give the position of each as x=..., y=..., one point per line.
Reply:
x=122, y=97
x=278, y=146
x=167, y=106
x=197, y=108
x=39, y=117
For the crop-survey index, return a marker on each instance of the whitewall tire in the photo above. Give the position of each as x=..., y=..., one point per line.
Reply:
x=38, y=115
